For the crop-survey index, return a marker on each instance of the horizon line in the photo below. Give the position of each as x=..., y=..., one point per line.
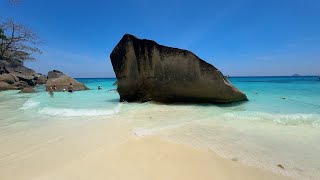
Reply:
x=229, y=76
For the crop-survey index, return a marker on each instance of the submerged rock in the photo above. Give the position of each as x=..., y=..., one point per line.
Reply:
x=62, y=82
x=148, y=71
x=27, y=90
x=280, y=166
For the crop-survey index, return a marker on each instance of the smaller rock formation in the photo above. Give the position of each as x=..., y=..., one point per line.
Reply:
x=16, y=75
x=18, y=70
x=5, y=86
x=62, y=81
x=20, y=84
x=41, y=79
x=29, y=79
x=9, y=78
x=27, y=90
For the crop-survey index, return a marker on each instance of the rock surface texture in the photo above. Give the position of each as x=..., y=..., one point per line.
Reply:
x=9, y=78
x=41, y=79
x=18, y=76
x=6, y=86
x=62, y=81
x=148, y=71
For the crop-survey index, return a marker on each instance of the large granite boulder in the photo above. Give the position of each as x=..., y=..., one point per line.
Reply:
x=62, y=82
x=148, y=71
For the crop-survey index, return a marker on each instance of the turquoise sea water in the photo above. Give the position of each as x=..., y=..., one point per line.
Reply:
x=280, y=124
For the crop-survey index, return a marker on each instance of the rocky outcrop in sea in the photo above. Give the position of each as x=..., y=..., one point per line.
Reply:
x=15, y=76
x=62, y=82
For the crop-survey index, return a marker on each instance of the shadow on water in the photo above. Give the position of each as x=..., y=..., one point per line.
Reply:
x=113, y=100
x=234, y=104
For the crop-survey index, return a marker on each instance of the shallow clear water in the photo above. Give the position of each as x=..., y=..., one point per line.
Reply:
x=280, y=124
x=266, y=94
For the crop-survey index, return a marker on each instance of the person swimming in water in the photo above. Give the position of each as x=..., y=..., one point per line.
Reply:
x=70, y=88
x=51, y=91
x=99, y=87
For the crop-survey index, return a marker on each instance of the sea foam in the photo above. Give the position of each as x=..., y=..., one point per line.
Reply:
x=30, y=104
x=284, y=119
x=67, y=112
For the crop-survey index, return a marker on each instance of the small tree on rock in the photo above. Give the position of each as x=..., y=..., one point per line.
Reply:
x=17, y=42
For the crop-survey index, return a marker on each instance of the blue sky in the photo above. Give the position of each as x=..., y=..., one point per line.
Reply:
x=240, y=37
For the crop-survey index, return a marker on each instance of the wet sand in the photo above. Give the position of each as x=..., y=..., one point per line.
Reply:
x=153, y=158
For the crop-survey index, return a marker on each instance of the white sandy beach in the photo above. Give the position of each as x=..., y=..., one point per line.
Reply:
x=98, y=148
